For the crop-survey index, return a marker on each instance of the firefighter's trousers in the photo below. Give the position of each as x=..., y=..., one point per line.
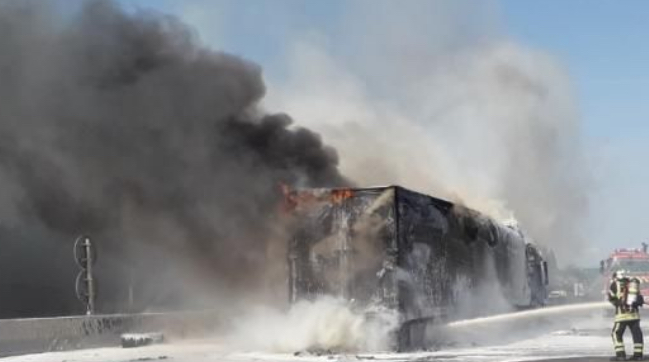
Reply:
x=636, y=332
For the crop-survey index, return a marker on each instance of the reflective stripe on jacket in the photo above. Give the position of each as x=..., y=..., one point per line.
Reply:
x=617, y=295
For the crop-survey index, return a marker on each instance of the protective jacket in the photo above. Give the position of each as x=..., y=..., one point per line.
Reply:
x=619, y=293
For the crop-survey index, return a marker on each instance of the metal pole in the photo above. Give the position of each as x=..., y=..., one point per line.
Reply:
x=131, y=300
x=91, y=284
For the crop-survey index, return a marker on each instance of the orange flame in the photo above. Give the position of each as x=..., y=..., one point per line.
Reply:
x=290, y=199
x=338, y=196
x=294, y=199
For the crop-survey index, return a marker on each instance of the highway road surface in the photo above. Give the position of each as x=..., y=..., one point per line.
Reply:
x=588, y=340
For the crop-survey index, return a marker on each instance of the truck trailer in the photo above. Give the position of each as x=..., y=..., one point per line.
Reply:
x=429, y=259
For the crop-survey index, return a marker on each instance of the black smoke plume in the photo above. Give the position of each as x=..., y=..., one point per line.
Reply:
x=124, y=127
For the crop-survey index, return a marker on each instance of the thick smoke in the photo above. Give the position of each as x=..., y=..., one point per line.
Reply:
x=122, y=126
x=324, y=325
x=423, y=95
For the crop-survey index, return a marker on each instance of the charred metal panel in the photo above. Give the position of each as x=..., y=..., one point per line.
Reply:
x=428, y=258
x=456, y=262
x=345, y=245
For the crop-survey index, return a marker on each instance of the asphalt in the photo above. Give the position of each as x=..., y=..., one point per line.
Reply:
x=578, y=359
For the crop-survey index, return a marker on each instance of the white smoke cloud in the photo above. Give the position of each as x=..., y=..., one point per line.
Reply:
x=469, y=116
x=326, y=324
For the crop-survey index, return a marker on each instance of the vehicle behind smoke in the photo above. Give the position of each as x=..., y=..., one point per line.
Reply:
x=431, y=260
x=633, y=262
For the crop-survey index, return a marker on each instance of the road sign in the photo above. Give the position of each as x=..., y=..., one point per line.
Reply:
x=85, y=256
x=83, y=248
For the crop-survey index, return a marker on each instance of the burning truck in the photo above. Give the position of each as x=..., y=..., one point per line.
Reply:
x=429, y=259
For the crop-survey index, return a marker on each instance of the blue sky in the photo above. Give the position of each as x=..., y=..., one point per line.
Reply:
x=601, y=43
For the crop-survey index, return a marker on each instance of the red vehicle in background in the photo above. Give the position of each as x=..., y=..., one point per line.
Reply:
x=633, y=262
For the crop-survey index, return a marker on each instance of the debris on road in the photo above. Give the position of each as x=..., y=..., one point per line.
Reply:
x=131, y=340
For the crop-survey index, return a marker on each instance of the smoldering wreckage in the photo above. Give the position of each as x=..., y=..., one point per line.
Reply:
x=157, y=148
x=424, y=257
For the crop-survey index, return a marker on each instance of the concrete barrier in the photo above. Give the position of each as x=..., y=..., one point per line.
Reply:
x=33, y=335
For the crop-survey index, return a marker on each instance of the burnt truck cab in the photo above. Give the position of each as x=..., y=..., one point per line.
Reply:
x=429, y=259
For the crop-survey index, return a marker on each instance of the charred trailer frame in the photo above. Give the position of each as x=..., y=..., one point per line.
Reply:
x=431, y=260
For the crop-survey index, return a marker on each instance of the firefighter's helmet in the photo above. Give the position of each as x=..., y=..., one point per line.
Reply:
x=618, y=274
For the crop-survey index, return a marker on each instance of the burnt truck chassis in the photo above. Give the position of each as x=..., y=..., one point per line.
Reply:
x=427, y=258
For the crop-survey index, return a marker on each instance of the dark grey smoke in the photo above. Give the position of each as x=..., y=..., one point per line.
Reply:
x=124, y=127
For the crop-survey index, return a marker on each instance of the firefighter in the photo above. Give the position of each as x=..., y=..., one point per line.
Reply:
x=624, y=294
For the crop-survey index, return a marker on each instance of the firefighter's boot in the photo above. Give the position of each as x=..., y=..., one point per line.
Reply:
x=637, y=353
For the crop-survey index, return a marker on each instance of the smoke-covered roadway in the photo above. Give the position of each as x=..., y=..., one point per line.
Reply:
x=553, y=345
x=586, y=339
